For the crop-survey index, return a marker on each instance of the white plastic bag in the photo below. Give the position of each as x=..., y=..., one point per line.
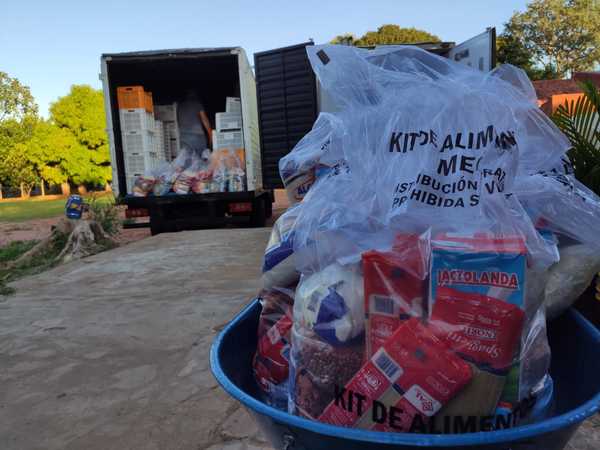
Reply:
x=453, y=267
x=316, y=155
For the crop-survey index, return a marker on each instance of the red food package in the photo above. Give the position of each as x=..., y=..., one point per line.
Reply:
x=482, y=329
x=407, y=381
x=395, y=284
x=271, y=361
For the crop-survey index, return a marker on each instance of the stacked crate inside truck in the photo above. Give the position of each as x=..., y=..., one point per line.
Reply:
x=228, y=140
x=138, y=133
x=167, y=115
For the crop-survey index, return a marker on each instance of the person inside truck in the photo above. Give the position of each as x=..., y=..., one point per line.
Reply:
x=194, y=126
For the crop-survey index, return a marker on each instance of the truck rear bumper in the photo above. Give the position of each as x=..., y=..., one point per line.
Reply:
x=172, y=213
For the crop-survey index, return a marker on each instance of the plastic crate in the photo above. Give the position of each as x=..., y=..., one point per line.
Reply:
x=160, y=144
x=131, y=97
x=149, y=104
x=575, y=369
x=138, y=141
x=138, y=164
x=171, y=136
x=228, y=121
x=137, y=119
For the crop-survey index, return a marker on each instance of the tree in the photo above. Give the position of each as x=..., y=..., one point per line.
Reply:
x=50, y=151
x=17, y=168
x=561, y=34
x=344, y=39
x=85, y=158
x=387, y=34
x=511, y=50
x=18, y=116
x=16, y=101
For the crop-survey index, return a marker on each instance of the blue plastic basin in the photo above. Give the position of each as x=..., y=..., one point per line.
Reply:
x=575, y=369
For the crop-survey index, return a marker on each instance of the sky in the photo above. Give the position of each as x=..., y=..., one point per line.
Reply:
x=50, y=45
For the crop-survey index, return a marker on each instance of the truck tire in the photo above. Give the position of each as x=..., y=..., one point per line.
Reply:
x=258, y=218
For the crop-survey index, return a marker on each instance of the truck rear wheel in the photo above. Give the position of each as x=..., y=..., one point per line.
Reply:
x=258, y=218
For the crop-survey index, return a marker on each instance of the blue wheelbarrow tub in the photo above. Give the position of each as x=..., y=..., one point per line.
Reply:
x=575, y=369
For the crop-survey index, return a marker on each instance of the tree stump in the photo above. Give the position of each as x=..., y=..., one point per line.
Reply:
x=71, y=239
x=87, y=238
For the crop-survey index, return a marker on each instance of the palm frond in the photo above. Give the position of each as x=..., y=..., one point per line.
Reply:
x=579, y=120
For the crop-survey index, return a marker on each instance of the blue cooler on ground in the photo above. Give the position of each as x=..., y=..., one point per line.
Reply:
x=74, y=207
x=575, y=370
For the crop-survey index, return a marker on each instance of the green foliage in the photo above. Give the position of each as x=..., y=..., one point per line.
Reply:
x=511, y=50
x=16, y=101
x=31, y=266
x=8, y=253
x=104, y=211
x=387, y=34
x=52, y=151
x=18, y=117
x=344, y=39
x=18, y=169
x=84, y=149
x=580, y=121
x=13, y=250
x=30, y=209
x=563, y=35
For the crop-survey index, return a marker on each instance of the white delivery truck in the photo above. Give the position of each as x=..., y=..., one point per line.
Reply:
x=277, y=109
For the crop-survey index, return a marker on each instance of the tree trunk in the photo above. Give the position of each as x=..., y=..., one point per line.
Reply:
x=65, y=188
x=24, y=193
x=0, y=191
x=81, y=189
x=107, y=187
x=43, y=188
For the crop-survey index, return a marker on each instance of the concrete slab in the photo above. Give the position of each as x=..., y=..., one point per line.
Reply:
x=112, y=352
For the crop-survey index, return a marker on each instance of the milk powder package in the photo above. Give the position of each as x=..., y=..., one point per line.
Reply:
x=477, y=300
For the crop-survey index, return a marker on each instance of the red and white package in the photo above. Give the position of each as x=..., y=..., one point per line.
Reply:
x=482, y=329
x=406, y=382
x=394, y=288
x=271, y=362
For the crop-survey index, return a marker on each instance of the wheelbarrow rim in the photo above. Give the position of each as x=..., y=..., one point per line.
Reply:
x=575, y=416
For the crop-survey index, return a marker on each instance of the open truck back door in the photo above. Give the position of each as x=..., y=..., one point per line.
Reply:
x=287, y=104
x=479, y=52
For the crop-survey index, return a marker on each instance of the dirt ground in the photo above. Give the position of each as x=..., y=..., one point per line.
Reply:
x=111, y=352
x=40, y=228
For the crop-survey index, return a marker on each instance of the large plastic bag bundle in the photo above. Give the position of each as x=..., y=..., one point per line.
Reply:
x=187, y=166
x=279, y=265
x=143, y=185
x=560, y=204
x=316, y=155
x=423, y=220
